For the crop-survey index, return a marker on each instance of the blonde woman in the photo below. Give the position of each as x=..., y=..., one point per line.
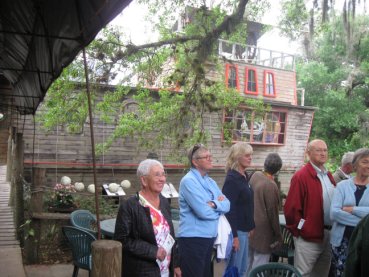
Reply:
x=241, y=215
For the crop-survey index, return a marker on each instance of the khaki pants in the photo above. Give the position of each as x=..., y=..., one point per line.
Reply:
x=256, y=258
x=313, y=259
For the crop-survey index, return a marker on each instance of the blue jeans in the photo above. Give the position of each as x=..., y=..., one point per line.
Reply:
x=240, y=258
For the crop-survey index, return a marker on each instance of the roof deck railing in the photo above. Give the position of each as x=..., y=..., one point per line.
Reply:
x=256, y=55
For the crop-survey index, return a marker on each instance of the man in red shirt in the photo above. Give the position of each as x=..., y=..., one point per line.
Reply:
x=307, y=212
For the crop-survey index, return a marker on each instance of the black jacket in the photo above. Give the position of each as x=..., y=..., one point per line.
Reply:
x=357, y=262
x=134, y=230
x=238, y=191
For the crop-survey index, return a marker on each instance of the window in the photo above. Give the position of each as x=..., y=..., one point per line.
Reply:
x=248, y=125
x=128, y=109
x=269, y=84
x=232, y=76
x=251, y=83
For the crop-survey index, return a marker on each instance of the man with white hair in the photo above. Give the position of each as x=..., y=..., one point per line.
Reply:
x=307, y=211
x=343, y=172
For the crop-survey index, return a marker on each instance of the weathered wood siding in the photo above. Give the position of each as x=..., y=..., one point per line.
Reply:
x=4, y=134
x=61, y=151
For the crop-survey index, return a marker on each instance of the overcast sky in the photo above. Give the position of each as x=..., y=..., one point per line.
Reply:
x=139, y=32
x=132, y=20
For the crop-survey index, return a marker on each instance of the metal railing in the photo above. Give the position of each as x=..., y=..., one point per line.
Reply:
x=256, y=55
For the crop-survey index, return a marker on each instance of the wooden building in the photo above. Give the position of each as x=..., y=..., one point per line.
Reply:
x=254, y=72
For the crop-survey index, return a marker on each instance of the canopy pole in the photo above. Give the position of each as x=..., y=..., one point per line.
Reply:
x=92, y=145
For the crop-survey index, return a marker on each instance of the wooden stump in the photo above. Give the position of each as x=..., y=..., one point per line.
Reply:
x=106, y=258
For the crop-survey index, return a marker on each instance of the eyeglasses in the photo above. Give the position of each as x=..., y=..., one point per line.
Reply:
x=157, y=175
x=195, y=148
x=207, y=157
x=319, y=150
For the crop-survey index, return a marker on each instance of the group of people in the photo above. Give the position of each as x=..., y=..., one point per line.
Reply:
x=320, y=214
x=250, y=203
x=322, y=210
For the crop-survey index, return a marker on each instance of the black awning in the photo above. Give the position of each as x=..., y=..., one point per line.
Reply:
x=38, y=38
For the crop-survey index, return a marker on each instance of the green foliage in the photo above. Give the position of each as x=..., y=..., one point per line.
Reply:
x=86, y=201
x=107, y=206
x=294, y=18
x=157, y=114
x=334, y=82
x=28, y=231
x=65, y=103
x=166, y=117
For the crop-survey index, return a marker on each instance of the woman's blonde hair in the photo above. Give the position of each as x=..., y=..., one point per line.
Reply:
x=236, y=151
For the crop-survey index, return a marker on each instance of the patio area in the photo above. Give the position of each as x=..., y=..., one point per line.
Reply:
x=66, y=270
x=56, y=270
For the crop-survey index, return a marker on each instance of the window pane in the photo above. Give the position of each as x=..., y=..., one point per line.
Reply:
x=269, y=84
x=274, y=126
x=241, y=132
x=251, y=80
x=260, y=128
x=232, y=77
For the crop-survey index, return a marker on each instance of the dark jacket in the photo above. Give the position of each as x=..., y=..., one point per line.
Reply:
x=134, y=230
x=239, y=193
x=357, y=262
x=266, y=213
x=305, y=200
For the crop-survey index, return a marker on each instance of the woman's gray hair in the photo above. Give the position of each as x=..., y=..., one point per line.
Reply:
x=195, y=152
x=236, y=151
x=347, y=158
x=272, y=163
x=358, y=155
x=145, y=166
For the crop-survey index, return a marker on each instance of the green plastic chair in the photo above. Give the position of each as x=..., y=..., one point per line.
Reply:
x=80, y=241
x=275, y=270
x=83, y=219
x=287, y=249
x=175, y=213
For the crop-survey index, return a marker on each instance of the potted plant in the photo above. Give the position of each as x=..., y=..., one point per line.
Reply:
x=62, y=199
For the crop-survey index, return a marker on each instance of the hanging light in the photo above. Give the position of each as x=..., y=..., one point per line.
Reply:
x=1, y=116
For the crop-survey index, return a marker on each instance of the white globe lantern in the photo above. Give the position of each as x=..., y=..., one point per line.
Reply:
x=79, y=186
x=113, y=187
x=65, y=180
x=126, y=184
x=91, y=188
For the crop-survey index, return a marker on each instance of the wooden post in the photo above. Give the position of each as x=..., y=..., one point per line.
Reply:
x=106, y=258
x=38, y=181
x=31, y=245
x=17, y=182
x=9, y=158
x=10, y=163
